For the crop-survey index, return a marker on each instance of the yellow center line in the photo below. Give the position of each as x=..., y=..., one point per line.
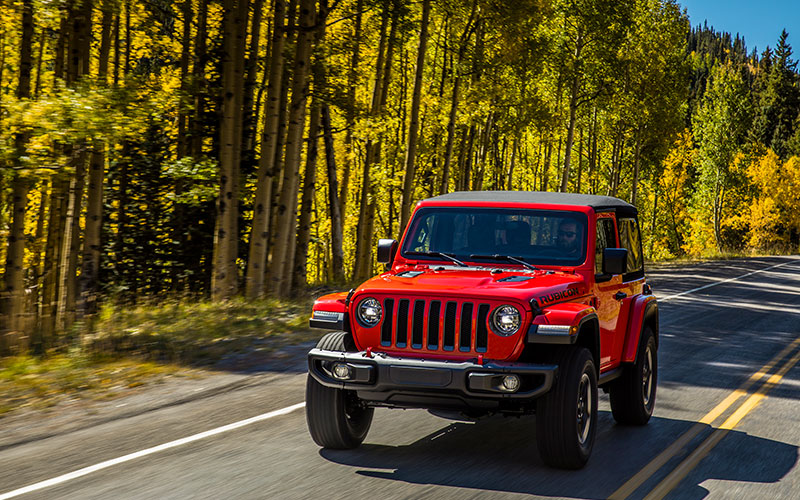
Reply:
x=689, y=463
x=679, y=444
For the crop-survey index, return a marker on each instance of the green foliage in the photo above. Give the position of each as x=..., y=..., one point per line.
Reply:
x=720, y=126
x=199, y=177
x=778, y=100
x=70, y=115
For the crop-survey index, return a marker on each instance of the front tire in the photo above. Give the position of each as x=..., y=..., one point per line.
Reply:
x=336, y=418
x=566, y=417
x=633, y=395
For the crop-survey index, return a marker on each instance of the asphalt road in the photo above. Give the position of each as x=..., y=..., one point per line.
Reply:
x=713, y=341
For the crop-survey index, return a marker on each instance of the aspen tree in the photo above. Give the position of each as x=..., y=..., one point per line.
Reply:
x=413, y=130
x=10, y=335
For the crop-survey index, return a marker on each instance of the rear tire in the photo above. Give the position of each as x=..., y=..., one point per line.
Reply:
x=633, y=395
x=566, y=417
x=336, y=418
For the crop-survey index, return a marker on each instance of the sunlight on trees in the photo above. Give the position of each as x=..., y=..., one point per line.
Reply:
x=223, y=147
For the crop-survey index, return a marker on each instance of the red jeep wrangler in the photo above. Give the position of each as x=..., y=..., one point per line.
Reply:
x=496, y=302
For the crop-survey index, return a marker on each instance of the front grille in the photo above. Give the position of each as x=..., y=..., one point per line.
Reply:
x=460, y=326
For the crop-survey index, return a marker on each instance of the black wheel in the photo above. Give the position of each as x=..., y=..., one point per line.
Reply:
x=566, y=417
x=633, y=395
x=336, y=418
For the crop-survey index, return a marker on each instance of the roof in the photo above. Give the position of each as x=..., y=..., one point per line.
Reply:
x=597, y=202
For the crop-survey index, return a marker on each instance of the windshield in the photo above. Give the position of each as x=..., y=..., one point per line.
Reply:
x=547, y=237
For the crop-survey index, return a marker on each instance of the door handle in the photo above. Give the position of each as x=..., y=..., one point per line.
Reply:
x=620, y=295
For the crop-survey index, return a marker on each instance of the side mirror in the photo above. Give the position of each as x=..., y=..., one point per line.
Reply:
x=615, y=260
x=386, y=250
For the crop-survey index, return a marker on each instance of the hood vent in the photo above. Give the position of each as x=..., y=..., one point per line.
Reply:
x=515, y=279
x=409, y=274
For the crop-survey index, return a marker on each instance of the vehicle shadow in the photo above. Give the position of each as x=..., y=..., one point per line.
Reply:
x=500, y=455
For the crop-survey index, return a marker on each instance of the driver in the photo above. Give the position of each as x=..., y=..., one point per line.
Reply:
x=567, y=238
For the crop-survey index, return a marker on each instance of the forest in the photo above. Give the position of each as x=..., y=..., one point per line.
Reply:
x=211, y=149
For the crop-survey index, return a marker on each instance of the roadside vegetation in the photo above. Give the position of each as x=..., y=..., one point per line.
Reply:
x=35, y=382
x=143, y=344
x=198, y=332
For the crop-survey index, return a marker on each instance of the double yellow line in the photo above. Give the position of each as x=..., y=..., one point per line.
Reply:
x=691, y=461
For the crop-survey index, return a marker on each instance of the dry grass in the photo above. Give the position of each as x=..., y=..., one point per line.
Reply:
x=199, y=332
x=138, y=345
x=33, y=382
x=715, y=256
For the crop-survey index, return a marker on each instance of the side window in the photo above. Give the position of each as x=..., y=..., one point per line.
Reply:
x=629, y=238
x=605, y=239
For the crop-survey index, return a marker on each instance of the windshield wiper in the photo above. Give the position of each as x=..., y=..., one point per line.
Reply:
x=439, y=254
x=508, y=258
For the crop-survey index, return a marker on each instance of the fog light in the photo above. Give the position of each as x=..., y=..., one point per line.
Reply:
x=510, y=383
x=341, y=371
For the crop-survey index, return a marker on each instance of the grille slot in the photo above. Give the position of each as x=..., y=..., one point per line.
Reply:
x=418, y=324
x=433, y=325
x=481, y=332
x=386, y=327
x=402, y=323
x=465, y=335
x=449, y=342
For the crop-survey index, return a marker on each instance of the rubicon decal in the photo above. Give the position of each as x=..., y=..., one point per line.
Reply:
x=564, y=294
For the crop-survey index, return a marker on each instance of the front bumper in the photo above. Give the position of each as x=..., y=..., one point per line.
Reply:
x=424, y=383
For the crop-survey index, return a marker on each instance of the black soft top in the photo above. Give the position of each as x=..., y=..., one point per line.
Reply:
x=598, y=203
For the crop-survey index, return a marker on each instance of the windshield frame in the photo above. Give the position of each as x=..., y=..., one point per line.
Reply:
x=579, y=216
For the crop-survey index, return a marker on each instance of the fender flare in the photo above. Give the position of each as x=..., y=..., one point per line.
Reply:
x=592, y=322
x=583, y=320
x=644, y=311
x=330, y=312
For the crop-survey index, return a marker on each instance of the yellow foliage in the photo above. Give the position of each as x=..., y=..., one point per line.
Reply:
x=788, y=189
x=764, y=220
x=673, y=186
x=765, y=172
x=661, y=249
x=775, y=211
x=700, y=239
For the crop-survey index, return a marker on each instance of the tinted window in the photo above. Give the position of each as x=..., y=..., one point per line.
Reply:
x=538, y=236
x=629, y=238
x=605, y=239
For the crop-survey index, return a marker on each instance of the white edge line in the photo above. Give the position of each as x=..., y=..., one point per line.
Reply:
x=155, y=449
x=687, y=292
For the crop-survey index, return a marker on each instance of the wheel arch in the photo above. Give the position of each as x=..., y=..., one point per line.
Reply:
x=644, y=314
x=651, y=318
x=584, y=331
x=589, y=337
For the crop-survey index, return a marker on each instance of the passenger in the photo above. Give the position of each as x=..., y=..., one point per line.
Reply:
x=480, y=238
x=518, y=239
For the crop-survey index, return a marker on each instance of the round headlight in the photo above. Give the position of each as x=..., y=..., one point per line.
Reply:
x=506, y=320
x=370, y=312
